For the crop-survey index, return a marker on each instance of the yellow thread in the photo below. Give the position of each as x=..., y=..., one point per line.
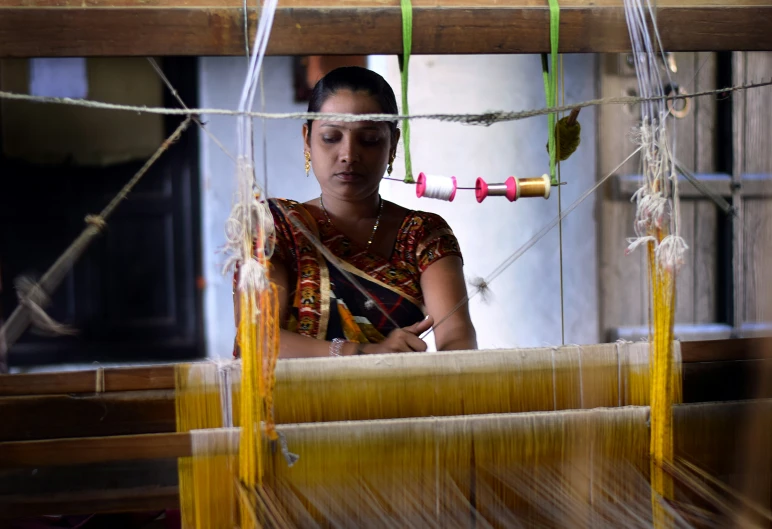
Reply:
x=662, y=387
x=206, y=485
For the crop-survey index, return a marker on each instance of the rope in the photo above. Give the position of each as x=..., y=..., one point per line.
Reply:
x=550, y=74
x=485, y=119
x=404, y=67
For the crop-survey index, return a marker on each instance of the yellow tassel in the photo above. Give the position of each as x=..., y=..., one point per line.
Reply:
x=662, y=388
x=259, y=344
x=568, y=135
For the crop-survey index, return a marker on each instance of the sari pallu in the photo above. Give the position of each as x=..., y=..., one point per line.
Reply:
x=325, y=302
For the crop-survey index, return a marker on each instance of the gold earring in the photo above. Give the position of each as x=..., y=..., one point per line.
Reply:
x=308, y=162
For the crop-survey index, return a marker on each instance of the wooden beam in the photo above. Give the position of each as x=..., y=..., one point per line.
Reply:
x=44, y=417
x=141, y=499
x=55, y=416
x=88, y=450
x=83, y=451
x=162, y=376
x=64, y=382
x=34, y=28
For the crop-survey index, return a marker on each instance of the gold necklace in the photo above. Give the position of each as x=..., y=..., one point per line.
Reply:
x=377, y=219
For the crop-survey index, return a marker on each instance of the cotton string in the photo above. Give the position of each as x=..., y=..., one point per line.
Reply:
x=485, y=119
x=439, y=187
x=550, y=73
x=404, y=67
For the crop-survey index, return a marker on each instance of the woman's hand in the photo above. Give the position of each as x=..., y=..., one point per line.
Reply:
x=403, y=340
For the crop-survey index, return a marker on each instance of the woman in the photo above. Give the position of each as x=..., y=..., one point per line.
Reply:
x=407, y=261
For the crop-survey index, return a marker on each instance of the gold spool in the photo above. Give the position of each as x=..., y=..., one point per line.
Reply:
x=534, y=187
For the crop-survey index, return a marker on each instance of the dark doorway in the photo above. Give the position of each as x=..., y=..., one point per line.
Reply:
x=133, y=296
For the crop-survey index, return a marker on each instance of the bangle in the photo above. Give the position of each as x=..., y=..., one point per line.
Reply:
x=337, y=346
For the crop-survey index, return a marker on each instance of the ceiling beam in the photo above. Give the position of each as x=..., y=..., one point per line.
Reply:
x=56, y=28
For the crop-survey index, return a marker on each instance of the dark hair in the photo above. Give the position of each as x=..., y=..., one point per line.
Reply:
x=356, y=79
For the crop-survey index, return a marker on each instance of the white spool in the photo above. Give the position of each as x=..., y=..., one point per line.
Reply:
x=439, y=187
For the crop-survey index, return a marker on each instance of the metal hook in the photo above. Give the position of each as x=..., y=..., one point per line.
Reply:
x=683, y=111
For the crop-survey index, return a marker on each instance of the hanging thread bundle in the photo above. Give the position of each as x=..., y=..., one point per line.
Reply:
x=657, y=227
x=568, y=134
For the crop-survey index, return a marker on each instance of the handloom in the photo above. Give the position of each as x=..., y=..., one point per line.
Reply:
x=477, y=438
x=588, y=436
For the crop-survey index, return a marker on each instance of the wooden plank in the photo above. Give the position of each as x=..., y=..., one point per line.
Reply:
x=622, y=281
x=109, y=449
x=87, y=450
x=738, y=222
x=124, y=379
x=705, y=243
x=119, y=473
x=757, y=157
x=114, y=379
x=45, y=417
x=36, y=419
x=756, y=185
x=724, y=381
x=143, y=499
x=312, y=27
x=724, y=350
x=685, y=136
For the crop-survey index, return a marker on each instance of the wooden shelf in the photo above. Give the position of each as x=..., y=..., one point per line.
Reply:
x=40, y=28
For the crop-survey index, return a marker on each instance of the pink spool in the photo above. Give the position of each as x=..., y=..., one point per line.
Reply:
x=508, y=189
x=420, y=188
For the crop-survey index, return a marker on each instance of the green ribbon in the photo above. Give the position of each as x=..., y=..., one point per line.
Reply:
x=549, y=73
x=404, y=64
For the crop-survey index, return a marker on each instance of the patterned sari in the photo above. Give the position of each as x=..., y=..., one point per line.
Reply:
x=325, y=304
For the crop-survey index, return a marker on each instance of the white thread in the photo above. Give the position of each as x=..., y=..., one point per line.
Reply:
x=214, y=441
x=619, y=376
x=439, y=187
x=581, y=381
x=250, y=219
x=554, y=382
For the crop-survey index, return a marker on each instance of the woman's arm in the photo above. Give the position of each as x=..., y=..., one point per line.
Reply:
x=443, y=286
x=292, y=345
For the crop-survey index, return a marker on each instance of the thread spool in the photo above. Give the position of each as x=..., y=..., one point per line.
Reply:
x=539, y=186
x=513, y=188
x=439, y=187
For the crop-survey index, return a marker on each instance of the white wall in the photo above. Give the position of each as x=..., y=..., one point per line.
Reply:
x=525, y=306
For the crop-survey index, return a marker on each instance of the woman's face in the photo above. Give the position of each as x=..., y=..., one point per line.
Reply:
x=349, y=159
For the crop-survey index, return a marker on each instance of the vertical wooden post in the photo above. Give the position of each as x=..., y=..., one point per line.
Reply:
x=738, y=164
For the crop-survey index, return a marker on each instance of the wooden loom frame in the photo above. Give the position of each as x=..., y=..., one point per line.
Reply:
x=40, y=28
x=61, y=421
x=43, y=28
